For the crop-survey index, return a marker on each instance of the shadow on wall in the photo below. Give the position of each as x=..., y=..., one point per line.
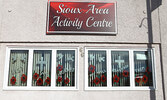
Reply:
x=152, y=95
x=151, y=6
x=155, y=4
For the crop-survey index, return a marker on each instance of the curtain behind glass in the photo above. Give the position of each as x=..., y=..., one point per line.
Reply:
x=143, y=68
x=65, y=68
x=97, y=68
x=120, y=68
x=18, y=68
x=41, y=68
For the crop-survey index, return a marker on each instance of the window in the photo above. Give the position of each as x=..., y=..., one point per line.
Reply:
x=143, y=68
x=41, y=69
x=18, y=68
x=65, y=70
x=97, y=69
x=120, y=68
x=112, y=69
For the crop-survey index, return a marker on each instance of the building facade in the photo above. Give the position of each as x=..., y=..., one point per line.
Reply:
x=128, y=65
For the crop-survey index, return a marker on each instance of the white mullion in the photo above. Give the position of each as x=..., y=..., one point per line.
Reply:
x=153, y=67
x=30, y=63
x=131, y=61
x=86, y=68
x=6, y=72
x=109, y=75
x=53, y=69
x=76, y=69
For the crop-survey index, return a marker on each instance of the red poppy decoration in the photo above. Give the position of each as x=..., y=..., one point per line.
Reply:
x=35, y=76
x=59, y=79
x=23, y=78
x=47, y=81
x=59, y=67
x=103, y=78
x=91, y=68
x=125, y=73
x=116, y=79
x=147, y=70
x=13, y=80
x=66, y=81
x=145, y=79
x=137, y=79
x=96, y=80
x=40, y=82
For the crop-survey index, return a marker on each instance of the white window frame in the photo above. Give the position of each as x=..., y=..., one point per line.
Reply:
x=30, y=65
x=131, y=66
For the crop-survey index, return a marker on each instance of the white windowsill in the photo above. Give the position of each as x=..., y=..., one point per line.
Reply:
x=120, y=88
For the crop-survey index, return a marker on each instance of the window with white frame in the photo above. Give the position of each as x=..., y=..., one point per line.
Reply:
x=44, y=69
x=143, y=68
x=97, y=69
x=18, y=68
x=120, y=68
x=107, y=69
x=41, y=68
x=65, y=70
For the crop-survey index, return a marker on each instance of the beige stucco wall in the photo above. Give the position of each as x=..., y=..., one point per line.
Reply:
x=25, y=21
x=81, y=94
x=163, y=26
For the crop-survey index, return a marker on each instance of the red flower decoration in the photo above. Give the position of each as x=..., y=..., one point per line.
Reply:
x=147, y=70
x=103, y=78
x=47, y=81
x=125, y=73
x=59, y=67
x=13, y=80
x=35, y=76
x=39, y=82
x=23, y=78
x=137, y=79
x=91, y=68
x=116, y=79
x=96, y=80
x=145, y=79
x=66, y=81
x=59, y=79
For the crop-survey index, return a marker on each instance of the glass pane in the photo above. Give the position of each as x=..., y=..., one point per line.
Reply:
x=97, y=69
x=65, y=68
x=120, y=68
x=18, y=68
x=143, y=68
x=41, y=68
